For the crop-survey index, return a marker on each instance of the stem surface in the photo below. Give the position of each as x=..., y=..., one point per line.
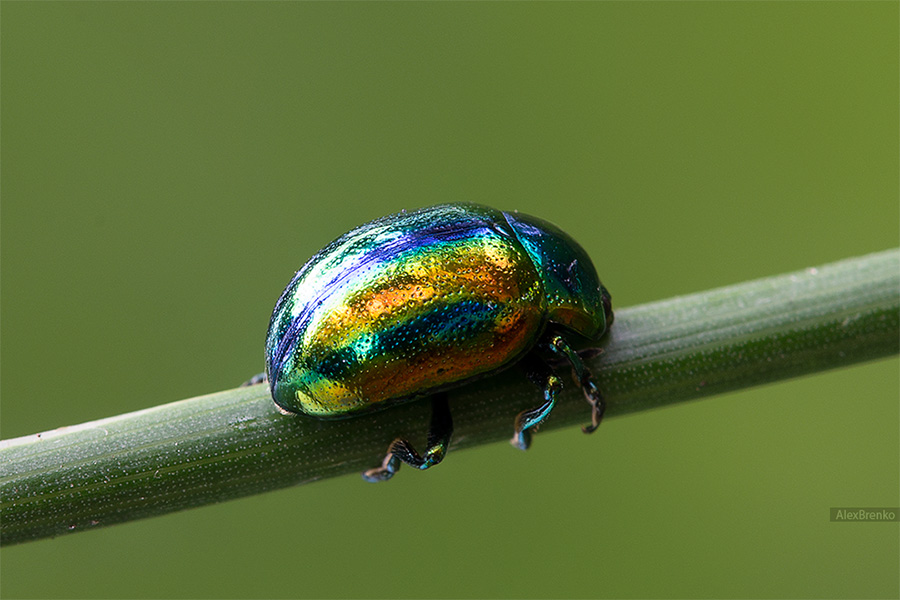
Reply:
x=234, y=443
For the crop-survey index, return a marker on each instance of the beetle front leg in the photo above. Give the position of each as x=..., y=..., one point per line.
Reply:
x=537, y=365
x=439, y=433
x=560, y=347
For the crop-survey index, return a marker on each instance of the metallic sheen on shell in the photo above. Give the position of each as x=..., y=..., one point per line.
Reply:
x=423, y=301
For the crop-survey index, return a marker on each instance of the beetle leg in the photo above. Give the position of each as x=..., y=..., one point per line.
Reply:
x=541, y=374
x=439, y=433
x=582, y=375
x=260, y=378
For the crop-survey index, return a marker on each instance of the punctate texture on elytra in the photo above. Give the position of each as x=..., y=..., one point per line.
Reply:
x=422, y=301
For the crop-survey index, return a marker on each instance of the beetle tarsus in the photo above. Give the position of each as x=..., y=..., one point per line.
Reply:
x=401, y=450
x=598, y=407
x=595, y=398
x=384, y=472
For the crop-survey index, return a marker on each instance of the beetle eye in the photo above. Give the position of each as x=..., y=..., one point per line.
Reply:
x=606, y=300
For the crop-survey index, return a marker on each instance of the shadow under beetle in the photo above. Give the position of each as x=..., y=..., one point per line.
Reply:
x=416, y=303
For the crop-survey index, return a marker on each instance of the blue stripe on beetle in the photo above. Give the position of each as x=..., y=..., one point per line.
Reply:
x=416, y=303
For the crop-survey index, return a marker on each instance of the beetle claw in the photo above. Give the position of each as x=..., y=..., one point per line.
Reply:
x=521, y=439
x=598, y=406
x=387, y=469
x=376, y=475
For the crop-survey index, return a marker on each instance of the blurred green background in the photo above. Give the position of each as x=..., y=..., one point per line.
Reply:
x=167, y=166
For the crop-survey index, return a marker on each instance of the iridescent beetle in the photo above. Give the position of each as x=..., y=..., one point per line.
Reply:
x=415, y=303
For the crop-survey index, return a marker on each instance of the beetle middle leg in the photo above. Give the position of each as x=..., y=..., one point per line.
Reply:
x=540, y=373
x=439, y=433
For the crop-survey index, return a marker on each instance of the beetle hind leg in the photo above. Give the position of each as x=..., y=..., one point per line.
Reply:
x=401, y=450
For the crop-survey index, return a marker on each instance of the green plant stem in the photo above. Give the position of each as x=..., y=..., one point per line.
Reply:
x=234, y=443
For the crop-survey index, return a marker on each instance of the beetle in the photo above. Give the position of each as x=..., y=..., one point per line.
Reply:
x=416, y=303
